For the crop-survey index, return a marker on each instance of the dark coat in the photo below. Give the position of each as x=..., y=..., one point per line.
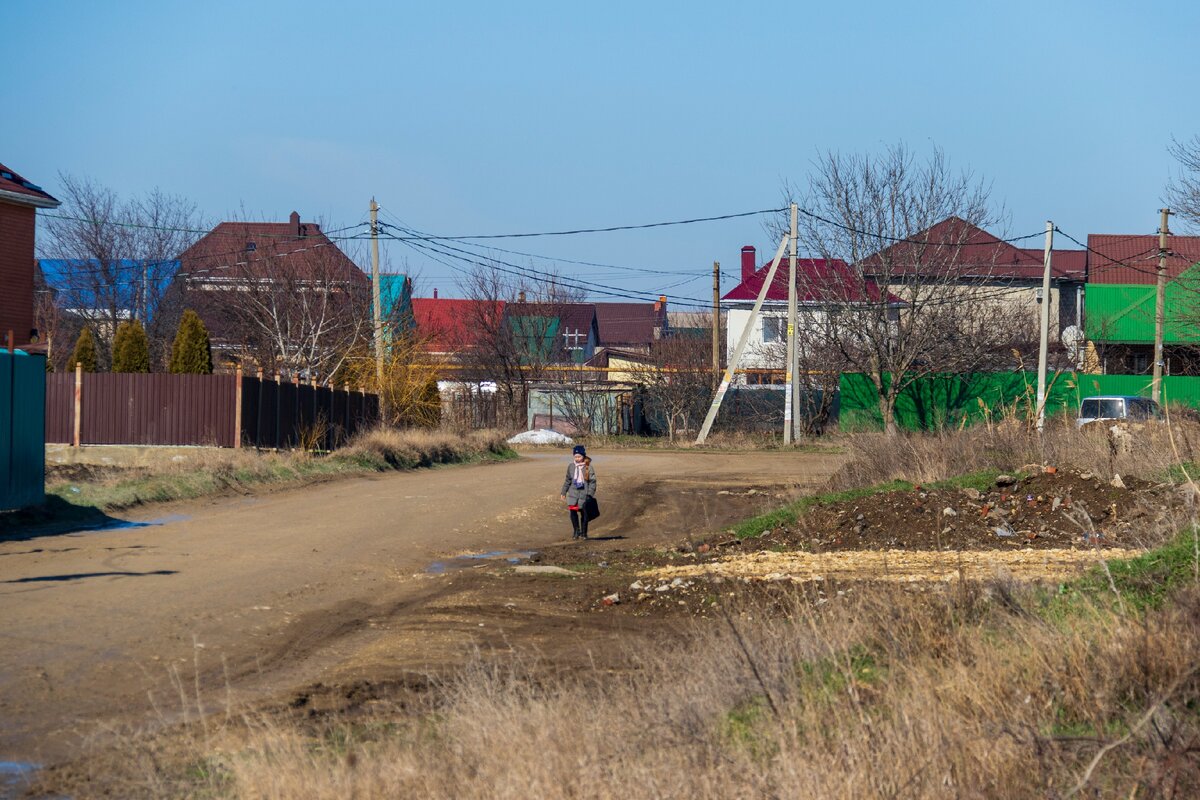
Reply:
x=576, y=495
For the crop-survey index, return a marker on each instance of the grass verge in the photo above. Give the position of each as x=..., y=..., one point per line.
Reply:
x=216, y=471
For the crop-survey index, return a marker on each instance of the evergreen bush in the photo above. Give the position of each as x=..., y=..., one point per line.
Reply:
x=131, y=348
x=191, y=354
x=85, y=352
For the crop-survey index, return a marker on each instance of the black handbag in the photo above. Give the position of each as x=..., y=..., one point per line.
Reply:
x=591, y=508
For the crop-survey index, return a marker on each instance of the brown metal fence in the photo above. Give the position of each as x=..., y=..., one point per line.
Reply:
x=211, y=410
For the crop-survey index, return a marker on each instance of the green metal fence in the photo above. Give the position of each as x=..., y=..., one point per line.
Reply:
x=22, y=429
x=940, y=401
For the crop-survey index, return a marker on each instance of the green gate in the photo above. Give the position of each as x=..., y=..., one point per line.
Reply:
x=22, y=429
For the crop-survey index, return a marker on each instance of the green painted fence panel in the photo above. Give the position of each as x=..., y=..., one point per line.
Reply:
x=22, y=429
x=940, y=401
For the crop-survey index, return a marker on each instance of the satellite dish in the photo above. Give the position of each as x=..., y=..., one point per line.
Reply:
x=1073, y=338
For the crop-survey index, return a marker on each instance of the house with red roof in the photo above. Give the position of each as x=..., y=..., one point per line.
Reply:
x=824, y=286
x=19, y=201
x=1120, y=302
x=279, y=295
x=984, y=268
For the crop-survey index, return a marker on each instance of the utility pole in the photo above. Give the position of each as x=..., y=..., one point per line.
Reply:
x=716, y=325
x=377, y=309
x=743, y=340
x=1160, y=297
x=789, y=381
x=1044, y=328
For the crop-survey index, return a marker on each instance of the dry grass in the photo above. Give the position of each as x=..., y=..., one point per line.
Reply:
x=146, y=475
x=980, y=690
x=889, y=693
x=875, y=458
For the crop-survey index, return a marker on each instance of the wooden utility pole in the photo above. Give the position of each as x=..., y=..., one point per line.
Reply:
x=790, y=376
x=1044, y=328
x=732, y=366
x=716, y=325
x=1160, y=298
x=376, y=302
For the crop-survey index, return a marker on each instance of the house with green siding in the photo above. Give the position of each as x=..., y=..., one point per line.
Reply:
x=1119, y=302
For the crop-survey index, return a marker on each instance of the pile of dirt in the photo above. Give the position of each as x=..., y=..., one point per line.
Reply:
x=1050, y=509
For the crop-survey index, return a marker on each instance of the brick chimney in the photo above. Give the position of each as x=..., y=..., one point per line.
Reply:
x=749, y=262
x=294, y=222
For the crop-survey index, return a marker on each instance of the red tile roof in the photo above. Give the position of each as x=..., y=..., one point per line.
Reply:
x=1134, y=259
x=817, y=281
x=629, y=323
x=956, y=247
x=449, y=325
x=234, y=250
x=15, y=189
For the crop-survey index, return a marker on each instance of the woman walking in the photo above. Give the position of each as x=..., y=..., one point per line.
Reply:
x=578, y=488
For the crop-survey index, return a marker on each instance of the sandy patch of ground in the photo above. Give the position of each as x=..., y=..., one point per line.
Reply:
x=900, y=566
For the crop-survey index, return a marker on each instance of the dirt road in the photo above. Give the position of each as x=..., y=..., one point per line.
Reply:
x=263, y=594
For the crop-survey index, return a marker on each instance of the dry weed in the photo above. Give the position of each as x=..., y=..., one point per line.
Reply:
x=886, y=693
x=1008, y=445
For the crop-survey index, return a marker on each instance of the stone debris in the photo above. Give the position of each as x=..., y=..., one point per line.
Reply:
x=611, y=599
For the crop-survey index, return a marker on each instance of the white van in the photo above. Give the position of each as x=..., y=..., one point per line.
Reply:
x=1117, y=407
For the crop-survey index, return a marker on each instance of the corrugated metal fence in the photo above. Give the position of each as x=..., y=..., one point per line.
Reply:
x=205, y=410
x=22, y=457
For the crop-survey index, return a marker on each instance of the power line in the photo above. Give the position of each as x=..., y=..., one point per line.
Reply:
x=210, y=231
x=530, y=272
x=646, y=270
x=610, y=229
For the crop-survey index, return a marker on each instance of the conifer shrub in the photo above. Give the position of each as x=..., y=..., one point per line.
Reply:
x=85, y=352
x=131, y=348
x=191, y=354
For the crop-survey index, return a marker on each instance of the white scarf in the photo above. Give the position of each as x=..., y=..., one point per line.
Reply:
x=579, y=474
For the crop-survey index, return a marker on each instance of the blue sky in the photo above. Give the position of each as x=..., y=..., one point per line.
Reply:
x=496, y=118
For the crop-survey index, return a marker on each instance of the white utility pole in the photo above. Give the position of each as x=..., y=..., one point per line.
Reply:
x=377, y=306
x=1044, y=345
x=789, y=380
x=732, y=366
x=1160, y=297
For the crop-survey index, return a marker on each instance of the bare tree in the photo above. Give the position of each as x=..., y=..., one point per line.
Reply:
x=1183, y=193
x=294, y=304
x=677, y=382
x=509, y=336
x=115, y=256
x=901, y=305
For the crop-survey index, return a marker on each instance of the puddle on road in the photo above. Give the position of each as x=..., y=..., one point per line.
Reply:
x=128, y=524
x=15, y=777
x=478, y=559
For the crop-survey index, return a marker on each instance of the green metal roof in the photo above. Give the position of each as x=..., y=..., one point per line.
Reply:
x=1125, y=312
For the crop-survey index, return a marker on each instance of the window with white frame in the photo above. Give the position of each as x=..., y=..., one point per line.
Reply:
x=774, y=329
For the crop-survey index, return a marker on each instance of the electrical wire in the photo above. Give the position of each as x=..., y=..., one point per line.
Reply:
x=209, y=232
x=578, y=283
x=609, y=229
